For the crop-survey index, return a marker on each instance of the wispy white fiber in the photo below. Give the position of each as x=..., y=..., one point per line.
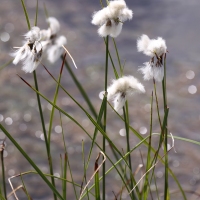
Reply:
x=155, y=47
x=110, y=19
x=33, y=35
x=33, y=59
x=113, y=30
x=55, y=50
x=54, y=25
x=151, y=71
x=53, y=43
x=121, y=88
x=31, y=52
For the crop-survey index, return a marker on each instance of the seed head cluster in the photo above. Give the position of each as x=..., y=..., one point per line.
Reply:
x=155, y=48
x=37, y=42
x=111, y=18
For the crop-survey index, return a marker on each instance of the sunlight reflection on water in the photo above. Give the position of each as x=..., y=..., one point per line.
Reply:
x=192, y=89
x=8, y=120
x=190, y=74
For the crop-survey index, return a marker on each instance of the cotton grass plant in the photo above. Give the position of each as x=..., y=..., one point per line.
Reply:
x=47, y=44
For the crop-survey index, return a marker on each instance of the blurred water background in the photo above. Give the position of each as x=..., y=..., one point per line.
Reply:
x=177, y=21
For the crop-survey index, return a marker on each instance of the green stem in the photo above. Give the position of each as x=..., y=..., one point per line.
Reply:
x=44, y=131
x=40, y=110
x=30, y=161
x=82, y=91
x=51, y=123
x=148, y=165
x=118, y=58
x=158, y=112
x=126, y=121
x=105, y=116
x=166, y=191
x=3, y=171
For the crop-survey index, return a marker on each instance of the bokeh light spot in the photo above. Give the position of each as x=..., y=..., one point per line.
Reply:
x=192, y=89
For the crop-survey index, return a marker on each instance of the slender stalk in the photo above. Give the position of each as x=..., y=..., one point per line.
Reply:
x=148, y=165
x=45, y=134
x=3, y=170
x=126, y=121
x=31, y=162
x=70, y=171
x=38, y=98
x=85, y=168
x=24, y=188
x=97, y=185
x=100, y=115
x=40, y=109
x=64, y=170
x=81, y=89
x=158, y=112
x=105, y=116
x=111, y=60
x=118, y=58
x=166, y=191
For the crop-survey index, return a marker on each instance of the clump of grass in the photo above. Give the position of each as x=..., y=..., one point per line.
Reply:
x=110, y=20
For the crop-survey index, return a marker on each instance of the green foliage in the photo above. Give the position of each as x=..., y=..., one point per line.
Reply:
x=122, y=165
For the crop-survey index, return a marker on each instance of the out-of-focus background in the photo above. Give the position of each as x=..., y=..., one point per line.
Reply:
x=177, y=21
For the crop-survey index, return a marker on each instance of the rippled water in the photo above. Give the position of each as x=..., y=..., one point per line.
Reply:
x=176, y=21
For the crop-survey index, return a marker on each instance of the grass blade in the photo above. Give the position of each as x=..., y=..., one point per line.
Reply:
x=6, y=64
x=2, y=147
x=97, y=185
x=26, y=14
x=30, y=161
x=82, y=91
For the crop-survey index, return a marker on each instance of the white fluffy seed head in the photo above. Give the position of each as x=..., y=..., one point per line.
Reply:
x=116, y=7
x=157, y=46
x=54, y=25
x=151, y=71
x=115, y=11
x=45, y=34
x=151, y=47
x=61, y=40
x=55, y=51
x=33, y=58
x=143, y=43
x=119, y=102
x=114, y=30
x=20, y=53
x=33, y=35
x=121, y=88
x=127, y=85
x=100, y=17
x=126, y=14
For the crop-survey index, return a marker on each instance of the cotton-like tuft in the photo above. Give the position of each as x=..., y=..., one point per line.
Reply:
x=154, y=47
x=56, y=50
x=54, y=25
x=121, y=88
x=143, y=43
x=126, y=14
x=113, y=30
x=157, y=46
x=151, y=71
x=100, y=17
x=31, y=52
x=33, y=35
x=111, y=18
